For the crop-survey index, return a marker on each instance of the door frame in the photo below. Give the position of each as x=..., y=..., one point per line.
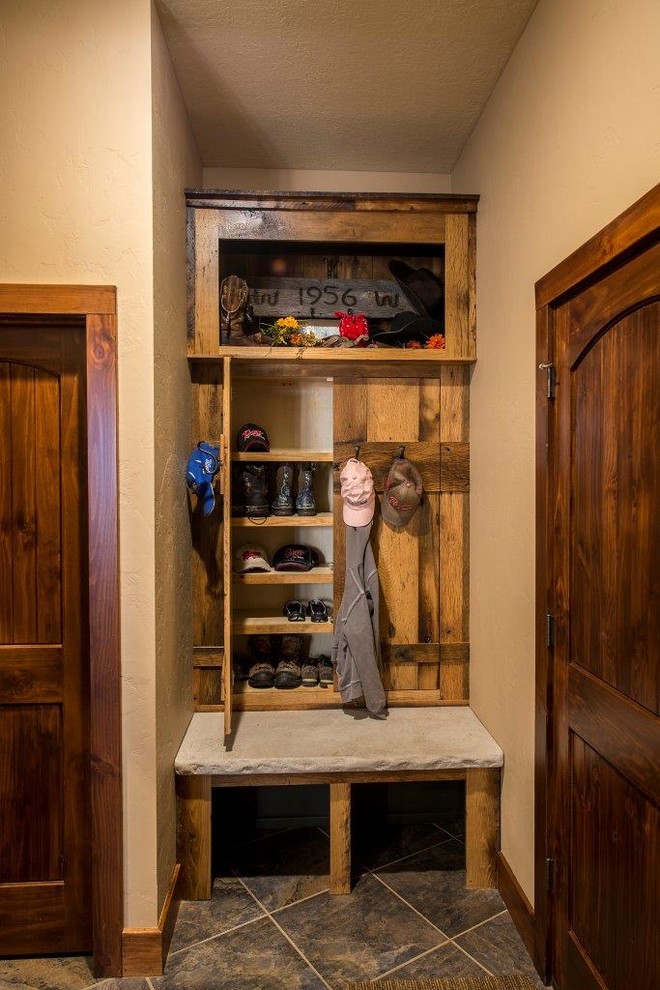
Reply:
x=95, y=308
x=626, y=236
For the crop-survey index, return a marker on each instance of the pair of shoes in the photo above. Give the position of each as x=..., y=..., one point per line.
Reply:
x=250, y=492
x=265, y=672
x=296, y=611
x=284, y=504
x=317, y=670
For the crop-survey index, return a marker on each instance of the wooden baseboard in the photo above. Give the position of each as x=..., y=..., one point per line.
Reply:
x=144, y=950
x=521, y=911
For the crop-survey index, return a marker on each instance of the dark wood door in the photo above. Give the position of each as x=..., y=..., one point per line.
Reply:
x=604, y=456
x=44, y=694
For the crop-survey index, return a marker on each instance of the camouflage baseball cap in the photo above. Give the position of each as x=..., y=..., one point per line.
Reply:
x=402, y=494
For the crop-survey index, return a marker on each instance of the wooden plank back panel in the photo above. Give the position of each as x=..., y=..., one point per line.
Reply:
x=423, y=568
x=453, y=526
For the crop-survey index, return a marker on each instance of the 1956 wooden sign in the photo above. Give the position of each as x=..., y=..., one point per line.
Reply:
x=323, y=297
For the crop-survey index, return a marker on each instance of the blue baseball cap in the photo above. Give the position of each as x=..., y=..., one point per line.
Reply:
x=203, y=465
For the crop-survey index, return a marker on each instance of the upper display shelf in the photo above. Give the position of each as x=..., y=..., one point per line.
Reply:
x=407, y=263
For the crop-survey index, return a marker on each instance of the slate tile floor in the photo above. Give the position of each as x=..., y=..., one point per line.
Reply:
x=272, y=925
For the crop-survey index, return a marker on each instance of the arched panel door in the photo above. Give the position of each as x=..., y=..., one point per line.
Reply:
x=45, y=854
x=604, y=456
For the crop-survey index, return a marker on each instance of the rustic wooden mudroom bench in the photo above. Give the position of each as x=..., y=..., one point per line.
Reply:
x=333, y=748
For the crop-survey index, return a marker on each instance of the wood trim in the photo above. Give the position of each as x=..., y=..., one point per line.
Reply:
x=521, y=911
x=98, y=305
x=221, y=199
x=619, y=238
x=340, y=838
x=58, y=300
x=170, y=910
x=145, y=950
x=104, y=645
x=352, y=777
x=543, y=681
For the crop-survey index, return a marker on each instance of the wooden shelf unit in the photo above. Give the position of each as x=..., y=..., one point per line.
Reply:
x=317, y=575
x=275, y=456
x=381, y=398
x=289, y=522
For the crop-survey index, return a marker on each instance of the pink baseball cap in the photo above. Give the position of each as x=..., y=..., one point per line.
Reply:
x=357, y=491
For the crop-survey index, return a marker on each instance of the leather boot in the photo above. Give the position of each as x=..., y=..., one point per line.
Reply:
x=288, y=673
x=254, y=490
x=283, y=504
x=305, y=504
x=237, y=496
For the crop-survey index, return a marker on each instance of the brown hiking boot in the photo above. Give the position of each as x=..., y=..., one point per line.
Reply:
x=262, y=667
x=288, y=673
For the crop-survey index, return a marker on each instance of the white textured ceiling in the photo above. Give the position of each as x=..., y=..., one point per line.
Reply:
x=387, y=85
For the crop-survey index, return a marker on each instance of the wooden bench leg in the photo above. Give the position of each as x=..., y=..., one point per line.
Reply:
x=340, y=838
x=482, y=826
x=194, y=836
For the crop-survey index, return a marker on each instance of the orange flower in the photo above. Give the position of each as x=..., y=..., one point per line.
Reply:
x=436, y=342
x=413, y=345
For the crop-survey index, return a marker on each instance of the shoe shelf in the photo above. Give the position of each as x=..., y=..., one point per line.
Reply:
x=317, y=575
x=245, y=624
x=283, y=455
x=246, y=698
x=320, y=519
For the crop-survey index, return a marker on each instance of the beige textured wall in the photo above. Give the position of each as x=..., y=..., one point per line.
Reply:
x=75, y=175
x=176, y=165
x=325, y=180
x=570, y=138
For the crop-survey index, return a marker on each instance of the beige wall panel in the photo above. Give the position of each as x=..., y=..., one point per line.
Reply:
x=561, y=148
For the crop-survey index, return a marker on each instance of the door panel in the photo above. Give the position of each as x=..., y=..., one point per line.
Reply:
x=615, y=871
x=45, y=856
x=613, y=546
x=605, y=784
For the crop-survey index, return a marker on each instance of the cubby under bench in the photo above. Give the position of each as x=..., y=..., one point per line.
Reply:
x=334, y=748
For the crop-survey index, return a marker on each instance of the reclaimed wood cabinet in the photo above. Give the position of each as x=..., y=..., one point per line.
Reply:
x=319, y=405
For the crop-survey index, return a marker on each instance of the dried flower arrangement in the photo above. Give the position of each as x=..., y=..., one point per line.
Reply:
x=287, y=332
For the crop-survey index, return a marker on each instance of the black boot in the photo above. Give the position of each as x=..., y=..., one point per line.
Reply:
x=237, y=497
x=305, y=504
x=254, y=490
x=283, y=504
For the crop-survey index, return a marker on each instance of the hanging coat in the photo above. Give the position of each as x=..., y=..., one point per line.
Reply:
x=356, y=645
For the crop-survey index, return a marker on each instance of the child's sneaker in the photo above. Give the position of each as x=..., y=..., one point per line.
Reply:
x=325, y=670
x=310, y=673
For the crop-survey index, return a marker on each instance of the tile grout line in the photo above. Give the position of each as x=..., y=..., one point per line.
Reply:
x=467, y=931
x=393, y=862
x=474, y=960
x=426, y=952
x=227, y=931
x=404, y=901
x=285, y=935
x=300, y=900
x=149, y=983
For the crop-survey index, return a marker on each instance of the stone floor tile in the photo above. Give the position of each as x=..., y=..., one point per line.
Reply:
x=53, y=973
x=230, y=905
x=257, y=956
x=393, y=843
x=286, y=867
x=498, y=946
x=359, y=936
x=443, y=963
x=127, y=984
x=434, y=886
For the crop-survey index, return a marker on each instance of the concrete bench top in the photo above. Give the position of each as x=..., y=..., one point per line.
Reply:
x=330, y=741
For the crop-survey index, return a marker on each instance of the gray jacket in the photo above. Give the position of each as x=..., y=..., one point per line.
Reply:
x=356, y=646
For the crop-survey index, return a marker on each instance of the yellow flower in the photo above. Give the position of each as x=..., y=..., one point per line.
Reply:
x=290, y=322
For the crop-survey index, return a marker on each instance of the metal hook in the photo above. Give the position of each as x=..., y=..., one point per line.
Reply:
x=402, y=451
x=357, y=452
